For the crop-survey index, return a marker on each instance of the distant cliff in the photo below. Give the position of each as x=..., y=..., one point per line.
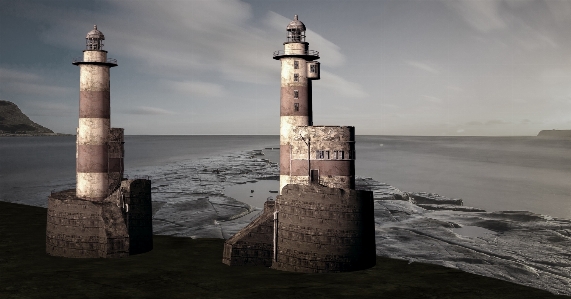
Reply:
x=13, y=121
x=555, y=133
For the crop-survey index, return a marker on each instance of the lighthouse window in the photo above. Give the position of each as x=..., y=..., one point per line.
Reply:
x=352, y=155
x=296, y=77
x=296, y=106
x=296, y=94
x=296, y=64
x=337, y=155
x=312, y=68
x=322, y=154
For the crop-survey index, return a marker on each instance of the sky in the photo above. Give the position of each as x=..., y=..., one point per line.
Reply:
x=424, y=68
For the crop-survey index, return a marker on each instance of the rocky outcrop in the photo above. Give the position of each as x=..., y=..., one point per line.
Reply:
x=555, y=133
x=14, y=121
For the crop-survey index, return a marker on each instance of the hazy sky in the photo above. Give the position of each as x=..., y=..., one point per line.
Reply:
x=401, y=67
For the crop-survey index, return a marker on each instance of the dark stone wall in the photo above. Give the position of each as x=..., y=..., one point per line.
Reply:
x=140, y=215
x=253, y=245
x=80, y=228
x=323, y=229
x=118, y=226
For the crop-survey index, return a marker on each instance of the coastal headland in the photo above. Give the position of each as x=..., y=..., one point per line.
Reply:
x=13, y=122
x=555, y=133
x=190, y=268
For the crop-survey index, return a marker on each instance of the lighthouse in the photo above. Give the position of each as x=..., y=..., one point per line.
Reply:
x=105, y=216
x=298, y=68
x=93, y=132
x=319, y=222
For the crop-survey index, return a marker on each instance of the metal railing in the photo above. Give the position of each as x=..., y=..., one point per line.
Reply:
x=109, y=60
x=296, y=52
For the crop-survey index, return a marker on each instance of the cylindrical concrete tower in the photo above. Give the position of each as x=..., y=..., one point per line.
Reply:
x=298, y=69
x=94, y=114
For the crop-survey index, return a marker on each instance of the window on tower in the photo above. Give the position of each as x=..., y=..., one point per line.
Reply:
x=296, y=64
x=312, y=68
x=296, y=94
x=296, y=77
x=296, y=106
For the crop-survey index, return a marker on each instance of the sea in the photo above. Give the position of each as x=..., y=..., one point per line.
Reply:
x=492, y=173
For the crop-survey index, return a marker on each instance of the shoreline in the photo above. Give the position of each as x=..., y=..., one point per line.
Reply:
x=189, y=200
x=192, y=268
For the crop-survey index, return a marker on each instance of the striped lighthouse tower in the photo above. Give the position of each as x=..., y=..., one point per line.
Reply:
x=298, y=69
x=94, y=126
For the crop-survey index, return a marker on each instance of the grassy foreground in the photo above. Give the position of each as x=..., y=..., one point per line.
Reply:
x=187, y=268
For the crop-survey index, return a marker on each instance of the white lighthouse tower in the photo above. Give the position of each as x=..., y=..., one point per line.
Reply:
x=105, y=216
x=299, y=67
x=93, y=160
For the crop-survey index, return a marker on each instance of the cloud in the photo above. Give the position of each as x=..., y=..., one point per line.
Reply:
x=495, y=122
x=482, y=15
x=145, y=110
x=29, y=83
x=197, y=88
x=555, y=76
x=433, y=99
x=17, y=75
x=51, y=109
x=422, y=66
x=340, y=86
x=184, y=38
x=560, y=10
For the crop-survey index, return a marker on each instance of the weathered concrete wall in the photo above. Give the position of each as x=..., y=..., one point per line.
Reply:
x=253, y=245
x=296, y=48
x=331, y=151
x=95, y=55
x=313, y=70
x=80, y=228
x=323, y=229
x=116, y=153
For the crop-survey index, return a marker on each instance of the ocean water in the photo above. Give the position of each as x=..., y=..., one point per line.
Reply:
x=493, y=173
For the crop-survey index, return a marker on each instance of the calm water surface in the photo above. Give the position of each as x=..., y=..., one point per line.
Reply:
x=493, y=173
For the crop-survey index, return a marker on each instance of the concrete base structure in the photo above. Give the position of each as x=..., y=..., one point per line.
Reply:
x=318, y=230
x=253, y=245
x=323, y=155
x=118, y=226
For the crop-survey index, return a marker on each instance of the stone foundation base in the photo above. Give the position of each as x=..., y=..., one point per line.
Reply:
x=253, y=245
x=118, y=226
x=319, y=229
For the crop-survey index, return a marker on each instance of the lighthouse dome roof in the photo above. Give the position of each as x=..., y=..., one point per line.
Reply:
x=295, y=25
x=95, y=34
